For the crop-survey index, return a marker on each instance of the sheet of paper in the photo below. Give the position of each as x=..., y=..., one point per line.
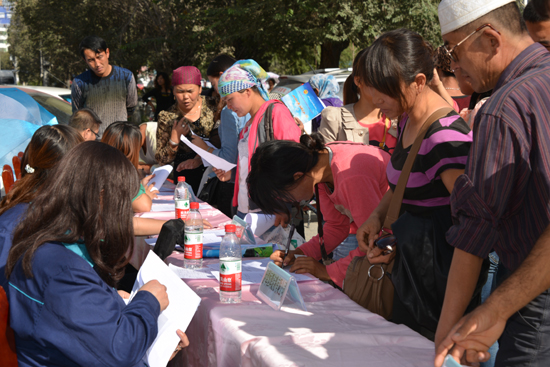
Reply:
x=216, y=232
x=205, y=206
x=254, y=270
x=214, y=160
x=183, y=273
x=151, y=241
x=183, y=305
x=161, y=174
x=259, y=223
x=163, y=207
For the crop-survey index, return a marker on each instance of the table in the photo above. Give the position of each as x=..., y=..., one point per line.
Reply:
x=334, y=332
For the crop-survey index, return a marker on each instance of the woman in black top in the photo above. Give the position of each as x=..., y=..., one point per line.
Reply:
x=162, y=92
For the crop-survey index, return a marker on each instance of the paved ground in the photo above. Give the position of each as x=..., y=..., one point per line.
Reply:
x=310, y=230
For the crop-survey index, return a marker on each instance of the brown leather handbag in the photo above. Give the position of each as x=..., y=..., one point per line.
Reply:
x=368, y=284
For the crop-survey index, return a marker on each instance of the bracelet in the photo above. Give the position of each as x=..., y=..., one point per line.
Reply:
x=172, y=143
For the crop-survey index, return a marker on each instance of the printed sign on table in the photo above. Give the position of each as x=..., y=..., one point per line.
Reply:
x=278, y=285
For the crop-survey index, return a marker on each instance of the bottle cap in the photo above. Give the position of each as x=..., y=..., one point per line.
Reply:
x=230, y=228
x=194, y=205
x=181, y=178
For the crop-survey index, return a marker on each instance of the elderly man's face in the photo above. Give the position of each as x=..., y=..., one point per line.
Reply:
x=475, y=59
x=540, y=32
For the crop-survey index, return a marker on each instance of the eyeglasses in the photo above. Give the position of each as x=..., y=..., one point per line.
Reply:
x=96, y=134
x=386, y=242
x=452, y=53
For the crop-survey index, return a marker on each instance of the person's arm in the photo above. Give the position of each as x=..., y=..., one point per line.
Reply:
x=131, y=96
x=479, y=200
x=142, y=204
x=147, y=226
x=437, y=86
x=76, y=96
x=72, y=300
x=166, y=152
x=476, y=332
x=335, y=229
x=367, y=233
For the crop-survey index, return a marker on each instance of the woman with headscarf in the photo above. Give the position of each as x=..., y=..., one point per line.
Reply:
x=192, y=113
x=326, y=87
x=241, y=87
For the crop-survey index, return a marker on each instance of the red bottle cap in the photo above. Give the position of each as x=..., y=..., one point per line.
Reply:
x=230, y=228
x=181, y=178
x=194, y=205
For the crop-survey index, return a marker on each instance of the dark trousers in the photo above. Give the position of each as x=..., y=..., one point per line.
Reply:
x=525, y=341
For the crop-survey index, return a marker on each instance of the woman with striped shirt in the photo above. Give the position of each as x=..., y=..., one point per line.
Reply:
x=400, y=87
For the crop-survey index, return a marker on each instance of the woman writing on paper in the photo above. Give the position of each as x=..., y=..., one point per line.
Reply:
x=241, y=88
x=64, y=309
x=351, y=182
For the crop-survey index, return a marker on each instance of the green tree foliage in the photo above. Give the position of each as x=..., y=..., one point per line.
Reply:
x=289, y=36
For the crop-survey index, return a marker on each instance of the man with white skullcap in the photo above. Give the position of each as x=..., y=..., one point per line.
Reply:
x=502, y=201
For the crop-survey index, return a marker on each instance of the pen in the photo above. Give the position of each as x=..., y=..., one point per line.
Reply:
x=292, y=227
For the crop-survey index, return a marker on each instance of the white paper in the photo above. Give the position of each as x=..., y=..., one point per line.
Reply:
x=214, y=160
x=183, y=305
x=216, y=232
x=254, y=270
x=161, y=174
x=210, y=238
x=151, y=241
x=259, y=223
x=183, y=273
x=163, y=207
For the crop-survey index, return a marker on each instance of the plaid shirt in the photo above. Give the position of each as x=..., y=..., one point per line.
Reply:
x=502, y=200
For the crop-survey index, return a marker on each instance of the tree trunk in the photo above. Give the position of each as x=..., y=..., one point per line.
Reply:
x=330, y=53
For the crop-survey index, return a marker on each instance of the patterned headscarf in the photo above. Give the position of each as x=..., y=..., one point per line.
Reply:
x=186, y=75
x=327, y=85
x=442, y=60
x=242, y=75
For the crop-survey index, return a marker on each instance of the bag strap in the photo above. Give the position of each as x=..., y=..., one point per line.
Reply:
x=397, y=197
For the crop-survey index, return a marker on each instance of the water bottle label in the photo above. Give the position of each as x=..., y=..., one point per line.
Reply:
x=193, y=246
x=182, y=209
x=230, y=276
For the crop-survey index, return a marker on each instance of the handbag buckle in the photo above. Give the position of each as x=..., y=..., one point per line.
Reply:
x=381, y=268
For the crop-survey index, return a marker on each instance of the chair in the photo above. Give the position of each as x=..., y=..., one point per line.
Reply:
x=7, y=177
x=8, y=357
x=16, y=167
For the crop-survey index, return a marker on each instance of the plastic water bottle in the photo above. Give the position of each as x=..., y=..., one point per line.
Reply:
x=192, y=258
x=181, y=197
x=230, y=267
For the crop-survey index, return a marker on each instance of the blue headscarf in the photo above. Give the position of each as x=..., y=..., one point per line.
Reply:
x=326, y=84
x=242, y=75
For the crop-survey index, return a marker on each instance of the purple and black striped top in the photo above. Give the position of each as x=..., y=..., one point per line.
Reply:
x=446, y=145
x=502, y=202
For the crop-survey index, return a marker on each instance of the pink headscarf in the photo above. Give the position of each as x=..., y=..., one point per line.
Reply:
x=186, y=75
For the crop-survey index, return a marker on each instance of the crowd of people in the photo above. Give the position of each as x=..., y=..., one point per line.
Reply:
x=469, y=247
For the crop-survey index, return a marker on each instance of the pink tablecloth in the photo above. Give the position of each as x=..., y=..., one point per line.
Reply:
x=334, y=332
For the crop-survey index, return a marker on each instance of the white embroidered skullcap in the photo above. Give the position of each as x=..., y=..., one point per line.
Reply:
x=454, y=14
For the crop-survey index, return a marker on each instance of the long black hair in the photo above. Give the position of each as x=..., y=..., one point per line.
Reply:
x=88, y=196
x=272, y=169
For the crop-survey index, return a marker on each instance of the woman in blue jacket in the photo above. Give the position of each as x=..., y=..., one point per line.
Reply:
x=67, y=256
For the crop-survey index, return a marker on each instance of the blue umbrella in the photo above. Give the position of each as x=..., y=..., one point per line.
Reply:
x=20, y=117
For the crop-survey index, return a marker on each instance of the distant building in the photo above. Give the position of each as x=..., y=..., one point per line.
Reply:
x=5, y=19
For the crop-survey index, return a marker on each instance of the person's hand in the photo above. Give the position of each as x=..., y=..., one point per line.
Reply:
x=159, y=291
x=281, y=220
x=151, y=191
x=309, y=265
x=436, y=82
x=147, y=179
x=368, y=233
x=189, y=164
x=179, y=128
x=277, y=257
x=472, y=336
x=376, y=257
x=300, y=124
x=206, y=224
x=223, y=176
x=123, y=294
x=184, y=343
